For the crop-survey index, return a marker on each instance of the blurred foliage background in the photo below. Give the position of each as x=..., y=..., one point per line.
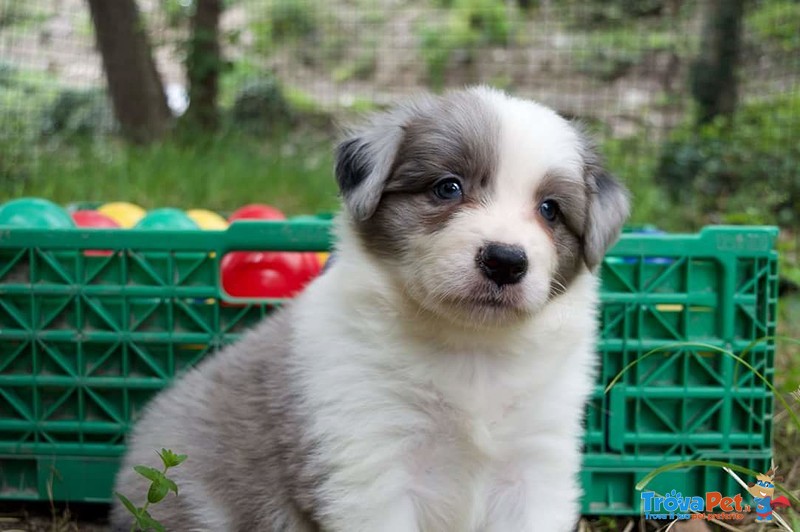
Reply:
x=214, y=103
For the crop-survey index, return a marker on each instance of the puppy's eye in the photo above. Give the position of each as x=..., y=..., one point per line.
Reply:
x=549, y=210
x=448, y=189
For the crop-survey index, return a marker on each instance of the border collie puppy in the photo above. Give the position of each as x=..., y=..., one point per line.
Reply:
x=435, y=377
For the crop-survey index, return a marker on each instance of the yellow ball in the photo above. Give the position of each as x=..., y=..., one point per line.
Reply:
x=124, y=213
x=322, y=257
x=206, y=219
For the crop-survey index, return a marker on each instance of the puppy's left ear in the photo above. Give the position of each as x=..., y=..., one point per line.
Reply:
x=609, y=207
x=363, y=163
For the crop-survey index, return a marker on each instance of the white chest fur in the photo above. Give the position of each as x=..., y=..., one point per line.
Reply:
x=425, y=431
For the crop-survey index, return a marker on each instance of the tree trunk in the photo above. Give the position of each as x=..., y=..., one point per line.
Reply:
x=134, y=84
x=203, y=65
x=713, y=75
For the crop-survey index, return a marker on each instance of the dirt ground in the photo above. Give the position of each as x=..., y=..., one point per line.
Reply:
x=41, y=517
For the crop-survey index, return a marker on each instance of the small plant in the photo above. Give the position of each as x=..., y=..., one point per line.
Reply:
x=590, y=14
x=722, y=166
x=469, y=26
x=17, y=12
x=775, y=24
x=284, y=21
x=260, y=107
x=79, y=113
x=160, y=486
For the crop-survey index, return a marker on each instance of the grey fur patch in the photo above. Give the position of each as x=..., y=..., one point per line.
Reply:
x=364, y=161
x=567, y=230
x=609, y=207
x=240, y=422
x=455, y=135
x=592, y=212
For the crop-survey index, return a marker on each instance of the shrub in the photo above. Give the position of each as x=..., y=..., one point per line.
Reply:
x=177, y=12
x=79, y=113
x=776, y=23
x=361, y=67
x=260, y=107
x=746, y=169
x=593, y=13
x=608, y=54
x=468, y=26
x=23, y=95
x=15, y=12
x=633, y=159
x=291, y=18
x=17, y=140
x=284, y=20
x=7, y=74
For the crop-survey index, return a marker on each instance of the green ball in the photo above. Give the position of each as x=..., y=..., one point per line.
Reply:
x=34, y=213
x=304, y=218
x=166, y=219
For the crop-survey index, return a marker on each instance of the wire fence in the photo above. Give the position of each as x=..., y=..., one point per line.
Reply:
x=623, y=66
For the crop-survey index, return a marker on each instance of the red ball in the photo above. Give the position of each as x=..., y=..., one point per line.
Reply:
x=268, y=274
x=262, y=274
x=257, y=211
x=93, y=219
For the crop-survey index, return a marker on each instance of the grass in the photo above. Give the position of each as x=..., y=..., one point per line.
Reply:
x=788, y=359
x=787, y=379
x=293, y=173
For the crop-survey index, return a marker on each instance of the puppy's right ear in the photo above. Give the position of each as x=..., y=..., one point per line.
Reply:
x=363, y=163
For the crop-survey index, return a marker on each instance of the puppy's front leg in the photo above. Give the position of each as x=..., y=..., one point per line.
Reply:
x=400, y=516
x=396, y=516
x=534, y=503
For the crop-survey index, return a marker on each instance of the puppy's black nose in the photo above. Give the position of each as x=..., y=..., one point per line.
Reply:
x=503, y=263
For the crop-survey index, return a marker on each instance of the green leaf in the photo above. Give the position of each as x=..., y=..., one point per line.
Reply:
x=171, y=459
x=146, y=522
x=166, y=457
x=171, y=485
x=127, y=503
x=692, y=463
x=141, y=525
x=149, y=473
x=158, y=490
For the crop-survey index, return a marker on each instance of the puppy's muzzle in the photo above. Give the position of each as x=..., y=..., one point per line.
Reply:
x=502, y=263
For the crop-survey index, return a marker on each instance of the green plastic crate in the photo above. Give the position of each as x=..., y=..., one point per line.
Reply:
x=86, y=340
x=610, y=480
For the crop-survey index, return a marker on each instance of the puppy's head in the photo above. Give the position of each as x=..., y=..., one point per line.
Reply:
x=484, y=207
